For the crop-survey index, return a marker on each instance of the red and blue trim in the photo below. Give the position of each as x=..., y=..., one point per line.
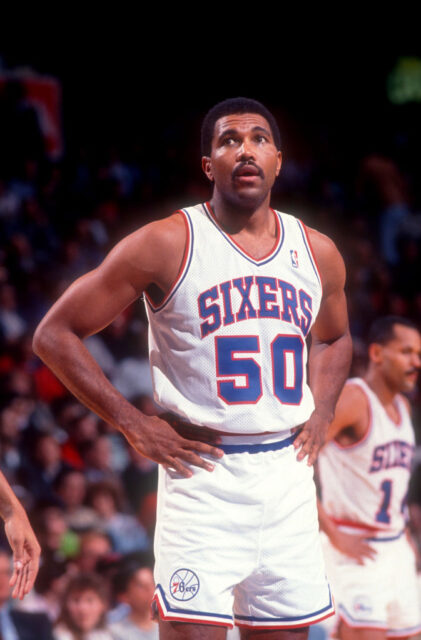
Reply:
x=376, y=625
x=280, y=235
x=167, y=612
x=290, y=622
x=403, y=633
x=310, y=251
x=345, y=616
x=187, y=258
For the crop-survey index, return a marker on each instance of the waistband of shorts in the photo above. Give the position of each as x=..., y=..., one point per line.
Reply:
x=255, y=444
x=373, y=534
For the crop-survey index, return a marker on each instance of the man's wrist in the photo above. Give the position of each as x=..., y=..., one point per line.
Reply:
x=11, y=508
x=324, y=414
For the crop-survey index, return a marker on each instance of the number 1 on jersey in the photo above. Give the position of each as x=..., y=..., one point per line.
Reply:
x=287, y=369
x=383, y=513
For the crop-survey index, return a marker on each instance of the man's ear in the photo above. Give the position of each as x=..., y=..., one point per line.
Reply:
x=279, y=165
x=375, y=352
x=207, y=167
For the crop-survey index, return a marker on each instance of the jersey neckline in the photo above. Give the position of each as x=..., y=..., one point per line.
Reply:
x=395, y=402
x=280, y=235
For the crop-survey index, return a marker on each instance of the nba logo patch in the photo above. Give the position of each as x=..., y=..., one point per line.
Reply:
x=184, y=584
x=294, y=258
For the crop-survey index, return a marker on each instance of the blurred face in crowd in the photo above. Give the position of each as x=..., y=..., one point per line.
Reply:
x=72, y=489
x=54, y=527
x=99, y=456
x=104, y=504
x=48, y=452
x=140, y=590
x=93, y=547
x=5, y=575
x=85, y=608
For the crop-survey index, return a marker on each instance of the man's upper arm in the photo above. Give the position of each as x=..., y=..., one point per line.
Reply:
x=351, y=414
x=332, y=319
x=150, y=255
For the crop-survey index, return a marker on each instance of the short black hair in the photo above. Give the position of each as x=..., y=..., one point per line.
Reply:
x=382, y=329
x=227, y=108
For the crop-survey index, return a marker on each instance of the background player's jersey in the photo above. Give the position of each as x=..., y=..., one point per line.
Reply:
x=228, y=344
x=367, y=482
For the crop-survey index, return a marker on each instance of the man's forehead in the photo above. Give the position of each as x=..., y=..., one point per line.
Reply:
x=240, y=121
x=406, y=335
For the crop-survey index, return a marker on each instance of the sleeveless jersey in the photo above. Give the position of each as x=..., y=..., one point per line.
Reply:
x=367, y=482
x=227, y=345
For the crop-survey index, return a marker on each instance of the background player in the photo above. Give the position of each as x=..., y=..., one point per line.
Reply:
x=25, y=547
x=241, y=240
x=364, y=472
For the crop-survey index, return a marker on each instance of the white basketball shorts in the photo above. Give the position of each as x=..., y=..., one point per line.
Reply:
x=380, y=594
x=241, y=544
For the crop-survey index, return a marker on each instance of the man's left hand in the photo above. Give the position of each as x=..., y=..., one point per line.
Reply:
x=311, y=438
x=26, y=552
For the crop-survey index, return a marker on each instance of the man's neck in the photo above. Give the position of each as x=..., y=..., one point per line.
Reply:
x=256, y=217
x=381, y=388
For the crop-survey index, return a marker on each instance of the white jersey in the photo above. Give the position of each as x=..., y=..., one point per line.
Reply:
x=227, y=346
x=366, y=483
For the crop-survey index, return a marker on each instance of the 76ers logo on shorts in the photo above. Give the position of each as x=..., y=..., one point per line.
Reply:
x=184, y=584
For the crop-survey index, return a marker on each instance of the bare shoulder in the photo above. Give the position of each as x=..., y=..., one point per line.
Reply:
x=155, y=239
x=154, y=251
x=353, y=395
x=329, y=260
x=352, y=415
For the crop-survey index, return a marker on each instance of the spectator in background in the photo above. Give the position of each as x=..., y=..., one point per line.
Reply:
x=71, y=490
x=83, y=609
x=133, y=584
x=126, y=533
x=19, y=625
x=140, y=479
x=39, y=475
x=97, y=460
x=12, y=324
x=57, y=541
x=381, y=177
x=94, y=547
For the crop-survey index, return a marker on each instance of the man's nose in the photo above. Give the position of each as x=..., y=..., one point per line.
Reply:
x=416, y=360
x=245, y=151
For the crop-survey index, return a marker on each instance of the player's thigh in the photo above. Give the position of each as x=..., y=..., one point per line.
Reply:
x=347, y=633
x=189, y=631
x=274, y=634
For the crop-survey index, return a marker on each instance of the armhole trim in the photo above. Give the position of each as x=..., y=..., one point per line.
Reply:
x=346, y=447
x=310, y=251
x=187, y=257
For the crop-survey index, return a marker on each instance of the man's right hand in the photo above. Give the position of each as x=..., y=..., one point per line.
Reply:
x=159, y=441
x=354, y=546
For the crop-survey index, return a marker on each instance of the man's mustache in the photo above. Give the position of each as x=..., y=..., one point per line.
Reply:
x=243, y=165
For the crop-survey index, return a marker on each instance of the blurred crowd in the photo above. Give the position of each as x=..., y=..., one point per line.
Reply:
x=90, y=497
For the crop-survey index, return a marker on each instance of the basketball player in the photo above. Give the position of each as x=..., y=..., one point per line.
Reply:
x=25, y=547
x=364, y=472
x=232, y=292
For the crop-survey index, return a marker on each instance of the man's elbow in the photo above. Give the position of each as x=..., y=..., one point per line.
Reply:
x=43, y=340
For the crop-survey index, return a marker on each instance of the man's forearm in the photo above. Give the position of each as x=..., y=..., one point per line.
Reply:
x=329, y=365
x=66, y=355
x=8, y=500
